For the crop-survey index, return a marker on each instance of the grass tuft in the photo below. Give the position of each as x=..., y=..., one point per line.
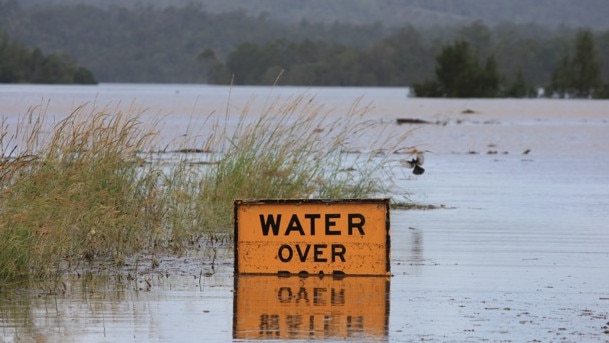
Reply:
x=290, y=151
x=90, y=188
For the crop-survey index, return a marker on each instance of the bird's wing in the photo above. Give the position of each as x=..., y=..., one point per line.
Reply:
x=407, y=164
x=420, y=158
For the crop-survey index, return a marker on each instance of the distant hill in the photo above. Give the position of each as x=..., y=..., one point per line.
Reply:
x=181, y=42
x=419, y=13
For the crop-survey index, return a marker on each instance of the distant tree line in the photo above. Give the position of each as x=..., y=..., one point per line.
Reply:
x=19, y=64
x=460, y=75
x=458, y=70
x=147, y=44
x=189, y=45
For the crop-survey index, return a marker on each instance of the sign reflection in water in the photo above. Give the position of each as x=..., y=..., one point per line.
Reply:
x=272, y=307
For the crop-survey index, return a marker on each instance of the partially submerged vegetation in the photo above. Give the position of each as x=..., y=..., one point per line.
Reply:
x=87, y=188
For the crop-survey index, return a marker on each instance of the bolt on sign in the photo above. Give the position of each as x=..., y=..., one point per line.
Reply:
x=271, y=307
x=340, y=237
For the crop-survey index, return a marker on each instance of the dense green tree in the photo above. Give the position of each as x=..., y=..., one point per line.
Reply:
x=559, y=85
x=603, y=92
x=578, y=76
x=460, y=75
x=457, y=70
x=20, y=65
x=586, y=65
x=520, y=88
x=488, y=82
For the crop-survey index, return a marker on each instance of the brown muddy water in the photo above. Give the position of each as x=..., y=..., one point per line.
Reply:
x=518, y=251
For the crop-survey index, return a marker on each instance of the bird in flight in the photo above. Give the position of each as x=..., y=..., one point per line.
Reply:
x=415, y=163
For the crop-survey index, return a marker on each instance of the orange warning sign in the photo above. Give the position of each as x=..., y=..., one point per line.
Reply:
x=312, y=236
x=271, y=307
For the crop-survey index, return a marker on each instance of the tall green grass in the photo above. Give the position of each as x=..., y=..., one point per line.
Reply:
x=293, y=150
x=76, y=193
x=88, y=188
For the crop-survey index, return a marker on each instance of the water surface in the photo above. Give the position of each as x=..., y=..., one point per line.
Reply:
x=519, y=251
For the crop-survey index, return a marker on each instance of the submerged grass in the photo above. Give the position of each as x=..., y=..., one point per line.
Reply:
x=87, y=188
x=77, y=193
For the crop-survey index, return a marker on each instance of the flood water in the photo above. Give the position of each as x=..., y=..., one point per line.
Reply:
x=517, y=252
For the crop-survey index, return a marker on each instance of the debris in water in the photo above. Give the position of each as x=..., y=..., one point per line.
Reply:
x=401, y=121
